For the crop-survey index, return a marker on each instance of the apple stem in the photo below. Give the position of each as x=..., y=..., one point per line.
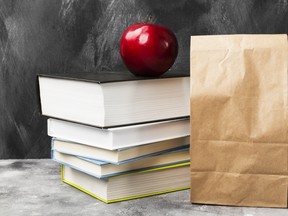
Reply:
x=149, y=18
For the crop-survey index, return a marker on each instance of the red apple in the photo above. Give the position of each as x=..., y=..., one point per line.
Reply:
x=148, y=49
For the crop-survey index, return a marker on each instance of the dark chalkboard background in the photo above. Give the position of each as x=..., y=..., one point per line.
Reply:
x=83, y=35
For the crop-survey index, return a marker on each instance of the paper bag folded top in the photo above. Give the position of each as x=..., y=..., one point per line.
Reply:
x=239, y=120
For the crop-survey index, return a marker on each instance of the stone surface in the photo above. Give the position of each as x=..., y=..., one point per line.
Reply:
x=33, y=187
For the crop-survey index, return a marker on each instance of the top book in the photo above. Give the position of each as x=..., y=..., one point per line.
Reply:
x=110, y=99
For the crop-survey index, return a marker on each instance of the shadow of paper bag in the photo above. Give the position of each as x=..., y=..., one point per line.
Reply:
x=239, y=120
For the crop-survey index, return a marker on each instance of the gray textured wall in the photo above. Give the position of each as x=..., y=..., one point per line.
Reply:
x=51, y=36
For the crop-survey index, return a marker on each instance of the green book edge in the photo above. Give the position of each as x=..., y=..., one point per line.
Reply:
x=131, y=197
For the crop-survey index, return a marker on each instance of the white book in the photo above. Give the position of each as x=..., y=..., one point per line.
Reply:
x=113, y=99
x=119, y=137
x=119, y=156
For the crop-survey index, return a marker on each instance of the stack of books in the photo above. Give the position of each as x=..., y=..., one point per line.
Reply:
x=118, y=136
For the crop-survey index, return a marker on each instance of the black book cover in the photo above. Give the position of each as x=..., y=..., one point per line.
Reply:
x=109, y=76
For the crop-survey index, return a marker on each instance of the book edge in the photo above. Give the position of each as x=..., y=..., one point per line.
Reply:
x=166, y=151
x=38, y=95
x=155, y=169
x=128, y=172
x=84, y=190
x=120, y=199
x=120, y=125
x=127, y=77
x=146, y=195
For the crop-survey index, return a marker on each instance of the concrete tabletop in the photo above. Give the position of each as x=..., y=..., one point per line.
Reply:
x=33, y=187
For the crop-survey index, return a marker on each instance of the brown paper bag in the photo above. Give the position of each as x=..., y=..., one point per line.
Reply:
x=239, y=120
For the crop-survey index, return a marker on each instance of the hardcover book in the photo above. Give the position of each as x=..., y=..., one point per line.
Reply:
x=113, y=99
x=130, y=186
x=102, y=169
x=119, y=156
x=119, y=137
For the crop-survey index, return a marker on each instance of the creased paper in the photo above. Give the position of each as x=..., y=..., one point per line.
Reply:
x=239, y=120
